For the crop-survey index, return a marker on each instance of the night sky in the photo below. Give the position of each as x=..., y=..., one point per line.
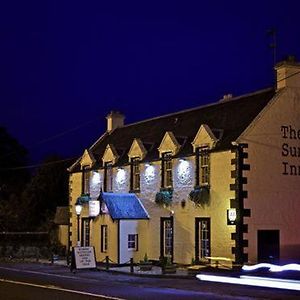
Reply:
x=65, y=64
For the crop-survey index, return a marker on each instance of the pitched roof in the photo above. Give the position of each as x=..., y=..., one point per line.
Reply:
x=62, y=215
x=227, y=119
x=124, y=206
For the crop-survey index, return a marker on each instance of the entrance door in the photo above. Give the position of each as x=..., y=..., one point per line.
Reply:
x=202, y=238
x=166, y=237
x=85, y=232
x=268, y=245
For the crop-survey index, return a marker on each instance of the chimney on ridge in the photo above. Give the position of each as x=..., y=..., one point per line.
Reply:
x=114, y=119
x=288, y=73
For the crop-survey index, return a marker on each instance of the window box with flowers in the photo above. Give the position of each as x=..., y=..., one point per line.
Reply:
x=200, y=195
x=164, y=196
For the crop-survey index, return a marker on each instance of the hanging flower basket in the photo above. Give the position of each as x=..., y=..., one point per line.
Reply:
x=200, y=195
x=164, y=197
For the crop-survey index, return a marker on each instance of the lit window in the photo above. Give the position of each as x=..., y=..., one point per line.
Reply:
x=104, y=239
x=108, y=177
x=135, y=174
x=167, y=181
x=86, y=180
x=133, y=242
x=203, y=166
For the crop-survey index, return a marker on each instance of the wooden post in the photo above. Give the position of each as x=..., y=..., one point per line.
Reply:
x=131, y=265
x=106, y=263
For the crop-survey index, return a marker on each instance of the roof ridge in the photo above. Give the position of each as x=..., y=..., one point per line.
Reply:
x=199, y=107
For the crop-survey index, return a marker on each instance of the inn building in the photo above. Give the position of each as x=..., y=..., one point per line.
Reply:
x=220, y=180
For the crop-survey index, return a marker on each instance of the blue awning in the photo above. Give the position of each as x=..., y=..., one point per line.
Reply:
x=124, y=206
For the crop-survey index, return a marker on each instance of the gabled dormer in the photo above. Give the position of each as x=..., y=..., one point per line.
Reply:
x=169, y=143
x=110, y=154
x=137, y=149
x=87, y=159
x=204, y=138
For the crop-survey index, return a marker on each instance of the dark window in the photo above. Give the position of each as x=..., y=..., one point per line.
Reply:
x=167, y=180
x=104, y=238
x=85, y=241
x=135, y=174
x=86, y=173
x=202, y=166
x=133, y=242
x=108, y=177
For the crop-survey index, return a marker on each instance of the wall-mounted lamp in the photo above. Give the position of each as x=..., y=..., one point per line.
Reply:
x=231, y=216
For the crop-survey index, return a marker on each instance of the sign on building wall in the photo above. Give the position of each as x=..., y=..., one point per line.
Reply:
x=83, y=258
x=94, y=208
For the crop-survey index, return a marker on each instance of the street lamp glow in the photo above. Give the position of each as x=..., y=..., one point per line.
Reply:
x=78, y=209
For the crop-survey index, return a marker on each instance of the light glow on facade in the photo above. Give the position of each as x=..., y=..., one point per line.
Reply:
x=121, y=176
x=95, y=178
x=149, y=172
x=184, y=171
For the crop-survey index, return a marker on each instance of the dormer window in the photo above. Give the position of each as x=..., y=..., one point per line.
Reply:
x=135, y=174
x=202, y=166
x=108, y=177
x=167, y=178
x=86, y=173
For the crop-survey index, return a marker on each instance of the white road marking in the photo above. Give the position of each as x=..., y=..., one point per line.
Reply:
x=51, y=287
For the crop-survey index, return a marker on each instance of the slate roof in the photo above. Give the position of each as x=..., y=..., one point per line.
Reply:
x=227, y=119
x=124, y=206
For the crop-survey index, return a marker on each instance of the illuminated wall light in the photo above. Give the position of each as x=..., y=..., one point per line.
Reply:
x=95, y=178
x=149, y=172
x=121, y=176
x=183, y=171
x=254, y=281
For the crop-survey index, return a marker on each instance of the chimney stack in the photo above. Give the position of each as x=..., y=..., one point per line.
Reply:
x=226, y=97
x=114, y=119
x=288, y=73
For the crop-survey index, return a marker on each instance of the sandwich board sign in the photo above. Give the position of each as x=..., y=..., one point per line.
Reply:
x=83, y=258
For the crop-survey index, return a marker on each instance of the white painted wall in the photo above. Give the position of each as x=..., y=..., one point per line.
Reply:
x=126, y=227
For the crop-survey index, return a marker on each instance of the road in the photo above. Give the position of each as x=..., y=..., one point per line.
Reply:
x=22, y=281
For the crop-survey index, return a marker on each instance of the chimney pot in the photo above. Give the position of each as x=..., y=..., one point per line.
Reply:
x=288, y=73
x=114, y=119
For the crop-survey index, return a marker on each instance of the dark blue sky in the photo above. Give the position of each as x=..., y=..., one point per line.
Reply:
x=65, y=64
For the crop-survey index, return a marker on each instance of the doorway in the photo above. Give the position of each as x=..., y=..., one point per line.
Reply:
x=166, y=237
x=202, y=238
x=268, y=245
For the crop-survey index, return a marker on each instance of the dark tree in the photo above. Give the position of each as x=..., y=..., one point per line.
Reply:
x=13, y=177
x=47, y=189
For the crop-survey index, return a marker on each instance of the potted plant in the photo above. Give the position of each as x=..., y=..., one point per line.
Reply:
x=164, y=197
x=168, y=267
x=200, y=195
x=145, y=265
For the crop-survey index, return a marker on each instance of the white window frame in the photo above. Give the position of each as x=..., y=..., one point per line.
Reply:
x=132, y=242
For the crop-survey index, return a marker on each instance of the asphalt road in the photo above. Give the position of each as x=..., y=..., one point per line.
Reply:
x=22, y=281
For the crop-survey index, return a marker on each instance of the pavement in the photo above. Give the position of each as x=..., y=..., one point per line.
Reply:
x=156, y=271
x=183, y=272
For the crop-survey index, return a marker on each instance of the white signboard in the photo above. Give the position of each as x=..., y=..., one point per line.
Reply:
x=84, y=257
x=94, y=208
